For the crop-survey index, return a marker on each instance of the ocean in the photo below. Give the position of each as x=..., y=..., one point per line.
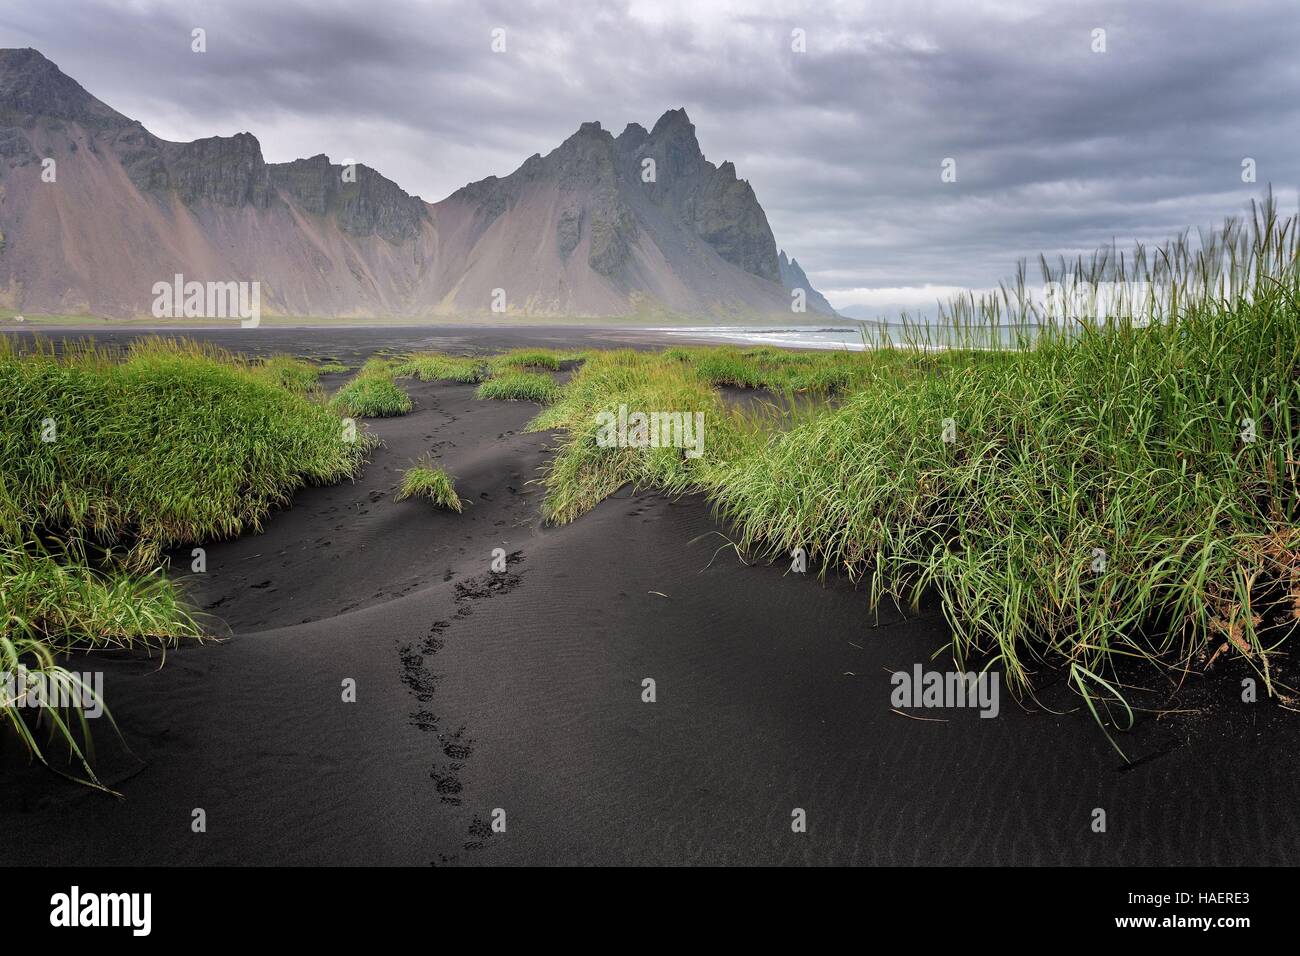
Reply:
x=791, y=336
x=855, y=338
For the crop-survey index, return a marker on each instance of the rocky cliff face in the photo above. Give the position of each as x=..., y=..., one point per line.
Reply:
x=605, y=180
x=219, y=170
x=15, y=150
x=640, y=224
x=586, y=170
x=793, y=277
x=362, y=202
x=709, y=200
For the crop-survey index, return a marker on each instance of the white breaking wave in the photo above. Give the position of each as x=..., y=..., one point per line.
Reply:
x=794, y=337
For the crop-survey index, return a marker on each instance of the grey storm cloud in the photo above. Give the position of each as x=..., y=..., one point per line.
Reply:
x=1058, y=149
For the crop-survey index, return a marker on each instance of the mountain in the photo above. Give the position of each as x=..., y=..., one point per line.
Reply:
x=95, y=209
x=793, y=277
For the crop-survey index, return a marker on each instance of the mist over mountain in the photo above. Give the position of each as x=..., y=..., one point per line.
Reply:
x=95, y=209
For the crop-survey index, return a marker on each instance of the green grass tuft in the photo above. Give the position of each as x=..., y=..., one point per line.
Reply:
x=372, y=393
x=424, y=479
x=525, y=358
x=520, y=387
x=438, y=367
x=107, y=458
x=584, y=473
x=292, y=374
x=781, y=371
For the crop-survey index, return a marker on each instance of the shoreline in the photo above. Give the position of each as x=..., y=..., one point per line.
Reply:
x=357, y=342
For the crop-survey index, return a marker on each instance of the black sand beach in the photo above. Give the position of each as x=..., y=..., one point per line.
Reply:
x=522, y=691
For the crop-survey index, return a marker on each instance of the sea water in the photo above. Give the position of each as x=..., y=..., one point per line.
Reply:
x=855, y=337
x=792, y=336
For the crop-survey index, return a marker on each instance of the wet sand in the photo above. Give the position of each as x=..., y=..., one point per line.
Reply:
x=523, y=691
x=351, y=344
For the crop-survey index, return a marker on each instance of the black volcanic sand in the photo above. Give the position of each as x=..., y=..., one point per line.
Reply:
x=522, y=691
x=352, y=345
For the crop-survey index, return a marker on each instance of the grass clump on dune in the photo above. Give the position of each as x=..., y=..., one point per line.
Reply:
x=520, y=387
x=424, y=479
x=107, y=458
x=1115, y=489
x=438, y=367
x=774, y=369
x=292, y=374
x=51, y=605
x=471, y=370
x=526, y=358
x=52, y=601
x=1083, y=492
x=372, y=393
x=168, y=443
x=585, y=472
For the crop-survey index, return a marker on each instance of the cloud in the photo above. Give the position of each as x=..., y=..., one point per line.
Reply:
x=1058, y=148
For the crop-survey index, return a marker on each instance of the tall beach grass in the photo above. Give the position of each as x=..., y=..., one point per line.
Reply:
x=106, y=459
x=1085, y=482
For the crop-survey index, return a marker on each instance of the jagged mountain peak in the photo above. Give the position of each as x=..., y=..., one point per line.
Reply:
x=33, y=87
x=793, y=277
x=673, y=120
x=590, y=140
x=28, y=64
x=609, y=184
x=633, y=133
x=673, y=143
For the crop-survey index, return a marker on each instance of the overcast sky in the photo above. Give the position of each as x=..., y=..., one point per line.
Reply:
x=1058, y=148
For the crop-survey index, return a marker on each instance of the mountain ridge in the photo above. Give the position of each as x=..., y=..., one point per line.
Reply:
x=583, y=230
